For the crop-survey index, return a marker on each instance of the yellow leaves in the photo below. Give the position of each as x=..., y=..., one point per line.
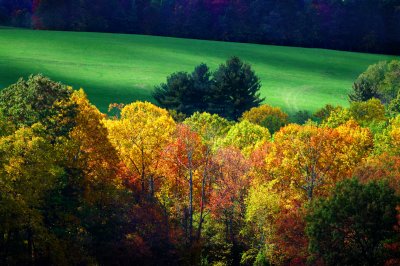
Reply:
x=262, y=202
x=210, y=127
x=358, y=140
x=395, y=134
x=246, y=136
x=367, y=112
x=311, y=159
x=267, y=116
x=337, y=118
x=28, y=165
x=389, y=140
x=140, y=135
x=89, y=143
x=142, y=124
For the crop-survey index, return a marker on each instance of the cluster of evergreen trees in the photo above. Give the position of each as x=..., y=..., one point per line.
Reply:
x=232, y=89
x=371, y=25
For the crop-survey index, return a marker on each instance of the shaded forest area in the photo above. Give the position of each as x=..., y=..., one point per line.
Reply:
x=367, y=26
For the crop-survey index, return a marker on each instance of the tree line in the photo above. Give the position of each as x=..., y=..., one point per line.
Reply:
x=141, y=188
x=370, y=26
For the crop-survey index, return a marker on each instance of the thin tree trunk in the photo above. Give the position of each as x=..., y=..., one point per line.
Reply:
x=6, y=242
x=151, y=186
x=143, y=176
x=190, y=199
x=203, y=197
x=31, y=250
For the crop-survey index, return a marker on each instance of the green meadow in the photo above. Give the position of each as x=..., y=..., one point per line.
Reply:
x=124, y=68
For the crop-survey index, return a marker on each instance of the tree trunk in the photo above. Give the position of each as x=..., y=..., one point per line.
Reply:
x=4, y=247
x=31, y=251
x=190, y=199
x=143, y=174
x=203, y=198
x=151, y=187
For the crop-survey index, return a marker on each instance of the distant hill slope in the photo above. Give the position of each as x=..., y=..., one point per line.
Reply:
x=124, y=68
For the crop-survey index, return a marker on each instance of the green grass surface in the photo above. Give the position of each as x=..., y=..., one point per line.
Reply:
x=124, y=68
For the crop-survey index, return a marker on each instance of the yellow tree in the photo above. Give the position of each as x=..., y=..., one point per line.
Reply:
x=263, y=205
x=140, y=135
x=367, y=112
x=246, y=136
x=267, y=116
x=311, y=159
x=28, y=172
x=91, y=149
x=92, y=164
x=273, y=216
x=389, y=140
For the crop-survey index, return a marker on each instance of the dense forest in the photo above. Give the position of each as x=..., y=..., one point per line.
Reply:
x=151, y=186
x=367, y=25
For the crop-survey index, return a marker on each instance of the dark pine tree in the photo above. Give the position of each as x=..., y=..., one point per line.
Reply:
x=184, y=92
x=235, y=89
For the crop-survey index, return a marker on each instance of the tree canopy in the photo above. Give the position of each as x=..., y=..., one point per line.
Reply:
x=39, y=99
x=371, y=25
x=141, y=188
x=352, y=226
x=229, y=91
x=381, y=81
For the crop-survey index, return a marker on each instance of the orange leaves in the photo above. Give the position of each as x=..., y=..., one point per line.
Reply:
x=312, y=159
x=380, y=167
x=187, y=147
x=291, y=241
x=184, y=153
x=231, y=183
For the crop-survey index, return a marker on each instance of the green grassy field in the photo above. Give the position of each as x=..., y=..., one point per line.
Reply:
x=124, y=68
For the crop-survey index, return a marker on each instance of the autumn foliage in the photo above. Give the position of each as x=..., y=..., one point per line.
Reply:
x=139, y=188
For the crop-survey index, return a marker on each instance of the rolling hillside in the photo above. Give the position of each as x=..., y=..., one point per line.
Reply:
x=124, y=68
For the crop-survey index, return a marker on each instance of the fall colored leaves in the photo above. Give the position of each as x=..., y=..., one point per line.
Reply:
x=73, y=180
x=210, y=170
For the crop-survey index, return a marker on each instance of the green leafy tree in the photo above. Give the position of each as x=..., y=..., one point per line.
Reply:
x=394, y=106
x=391, y=83
x=351, y=226
x=232, y=89
x=367, y=112
x=209, y=127
x=235, y=89
x=367, y=84
x=39, y=99
x=381, y=81
x=363, y=90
